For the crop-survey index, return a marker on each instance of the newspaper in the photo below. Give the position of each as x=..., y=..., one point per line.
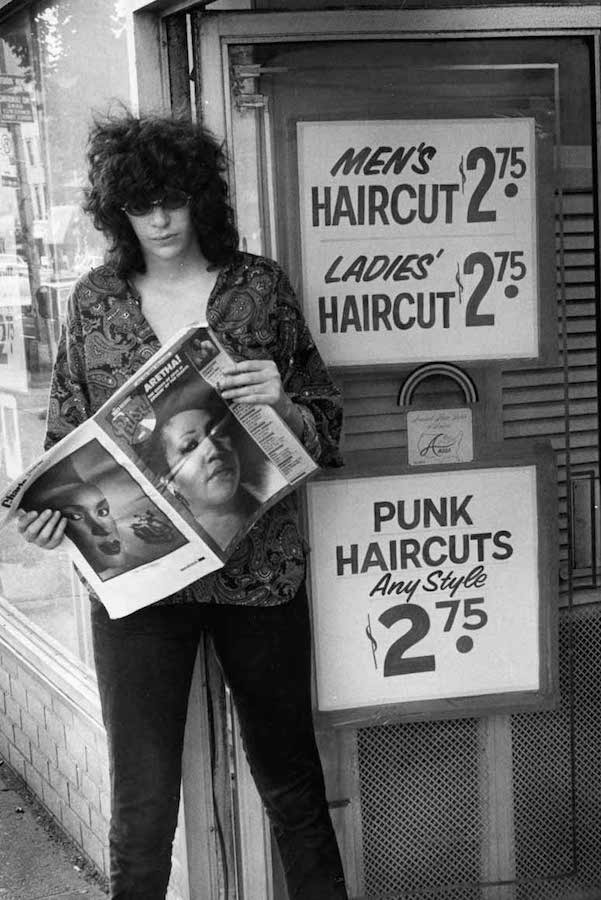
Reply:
x=160, y=485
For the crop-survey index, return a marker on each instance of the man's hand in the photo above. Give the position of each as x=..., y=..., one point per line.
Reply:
x=253, y=381
x=45, y=529
x=258, y=381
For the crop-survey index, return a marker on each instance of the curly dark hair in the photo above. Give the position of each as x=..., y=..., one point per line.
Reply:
x=132, y=158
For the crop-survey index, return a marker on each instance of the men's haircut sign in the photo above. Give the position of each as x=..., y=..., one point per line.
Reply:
x=419, y=239
x=425, y=587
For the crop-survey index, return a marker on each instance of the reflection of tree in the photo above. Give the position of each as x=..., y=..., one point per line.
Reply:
x=19, y=47
x=80, y=64
x=58, y=25
x=83, y=64
x=73, y=56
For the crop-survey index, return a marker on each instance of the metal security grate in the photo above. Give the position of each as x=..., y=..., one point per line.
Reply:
x=420, y=809
x=543, y=784
x=557, y=812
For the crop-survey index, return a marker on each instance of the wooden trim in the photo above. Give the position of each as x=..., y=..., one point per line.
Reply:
x=496, y=804
x=157, y=6
x=254, y=839
x=211, y=67
x=243, y=135
x=357, y=24
x=339, y=757
x=201, y=833
x=596, y=143
x=151, y=79
x=9, y=8
x=475, y=706
x=177, y=60
x=169, y=7
x=548, y=176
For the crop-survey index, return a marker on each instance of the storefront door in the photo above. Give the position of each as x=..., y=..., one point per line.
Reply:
x=473, y=805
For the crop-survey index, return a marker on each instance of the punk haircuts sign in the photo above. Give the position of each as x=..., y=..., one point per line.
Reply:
x=432, y=592
x=419, y=239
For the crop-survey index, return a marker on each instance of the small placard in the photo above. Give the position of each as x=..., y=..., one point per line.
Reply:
x=439, y=436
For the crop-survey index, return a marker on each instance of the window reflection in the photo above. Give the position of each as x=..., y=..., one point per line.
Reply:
x=59, y=61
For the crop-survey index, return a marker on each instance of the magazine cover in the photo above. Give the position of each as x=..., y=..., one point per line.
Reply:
x=165, y=480
x=190, y=443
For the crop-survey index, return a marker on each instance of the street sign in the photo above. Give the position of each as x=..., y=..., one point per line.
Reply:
x=15, y=108
x=8, y=81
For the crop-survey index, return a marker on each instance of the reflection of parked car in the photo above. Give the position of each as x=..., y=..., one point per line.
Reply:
x=14, y=280
x=13, y=264
x=51, y=299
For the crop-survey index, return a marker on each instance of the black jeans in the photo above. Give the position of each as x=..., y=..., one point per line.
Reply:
x=144, y=665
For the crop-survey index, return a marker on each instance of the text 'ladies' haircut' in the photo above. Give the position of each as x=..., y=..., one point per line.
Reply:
x=134, y=158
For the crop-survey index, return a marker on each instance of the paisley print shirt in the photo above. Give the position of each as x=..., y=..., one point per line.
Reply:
x=253, y=310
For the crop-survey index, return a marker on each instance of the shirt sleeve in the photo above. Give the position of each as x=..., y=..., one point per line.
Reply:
x=308, y=382
x=68, y=404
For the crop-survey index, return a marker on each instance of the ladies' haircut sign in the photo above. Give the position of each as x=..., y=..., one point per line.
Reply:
x=427, y=589
x=419, y=239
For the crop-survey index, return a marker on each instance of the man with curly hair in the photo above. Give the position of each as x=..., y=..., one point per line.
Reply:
x=158, y=193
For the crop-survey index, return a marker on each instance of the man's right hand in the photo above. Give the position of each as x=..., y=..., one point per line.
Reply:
x=45, y=529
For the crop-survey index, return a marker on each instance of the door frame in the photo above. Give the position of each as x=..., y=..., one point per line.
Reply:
x=221, y=25
x=255, y=206
x=218, y=31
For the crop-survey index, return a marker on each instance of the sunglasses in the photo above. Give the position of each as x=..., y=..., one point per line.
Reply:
x=170, y=199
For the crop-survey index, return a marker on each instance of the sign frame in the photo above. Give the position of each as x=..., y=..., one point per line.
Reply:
x=544, y=245
x=546, y=695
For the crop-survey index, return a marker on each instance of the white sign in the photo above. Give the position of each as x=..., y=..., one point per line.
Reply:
x=419, y=239
x=439, y=436
x=11, y=456
x=14, y=288
x=424, y=587
x=13, y=363
x=15, y=108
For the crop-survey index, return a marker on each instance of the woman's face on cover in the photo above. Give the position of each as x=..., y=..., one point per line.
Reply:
x=204, y=467
x=91, y=526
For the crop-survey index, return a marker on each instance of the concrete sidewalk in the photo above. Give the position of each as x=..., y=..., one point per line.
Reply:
x=37, y=860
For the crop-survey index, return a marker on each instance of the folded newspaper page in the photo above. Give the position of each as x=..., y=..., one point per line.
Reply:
x=164, y=480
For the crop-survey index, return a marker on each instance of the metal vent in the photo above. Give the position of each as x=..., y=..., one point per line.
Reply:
x=556, y=809
x=420, y=808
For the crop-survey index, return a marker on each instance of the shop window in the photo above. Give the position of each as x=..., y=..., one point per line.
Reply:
x=59, y=62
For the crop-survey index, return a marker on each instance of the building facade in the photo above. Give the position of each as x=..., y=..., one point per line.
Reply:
x=428, y=175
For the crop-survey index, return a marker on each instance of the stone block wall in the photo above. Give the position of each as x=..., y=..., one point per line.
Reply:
x=59, y=751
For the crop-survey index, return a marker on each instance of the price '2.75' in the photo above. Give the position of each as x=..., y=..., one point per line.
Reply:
x=396, y=662
x=511, y=165
x=507, y=264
